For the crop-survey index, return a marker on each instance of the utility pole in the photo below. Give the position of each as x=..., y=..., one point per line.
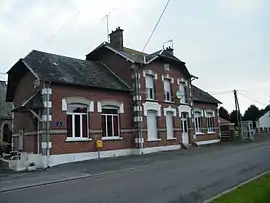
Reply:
x=238, y=114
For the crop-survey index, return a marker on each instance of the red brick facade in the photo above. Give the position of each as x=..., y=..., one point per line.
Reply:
x=175, y=73
x=59, y=143
x=58, y=139
x=124, y=70
x=208, y=136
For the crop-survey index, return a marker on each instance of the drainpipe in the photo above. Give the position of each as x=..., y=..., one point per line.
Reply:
x=38, y=136
x=192, y=104
x=219, y=129
x=47, y=126
x=138, y=111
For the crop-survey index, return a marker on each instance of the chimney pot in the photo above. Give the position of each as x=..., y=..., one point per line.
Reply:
x=169, y=50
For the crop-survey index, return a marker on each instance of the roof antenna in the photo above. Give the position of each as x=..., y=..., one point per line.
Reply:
x=169, y=42
x=107, y=23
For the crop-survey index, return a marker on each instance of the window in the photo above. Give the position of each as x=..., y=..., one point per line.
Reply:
x=167, y=90
x=167, y=67
x=169, y=124
x=198, y=122
x=152, y=125
x=110, y=121
x=77, y=121
x=149, y=87
x=210, y=122
x=182, y=91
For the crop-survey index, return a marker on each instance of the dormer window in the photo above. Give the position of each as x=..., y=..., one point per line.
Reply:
x=167, y=90
x=150, y=91
x=167, y=67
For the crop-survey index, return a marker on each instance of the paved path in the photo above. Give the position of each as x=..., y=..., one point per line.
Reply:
x=182, y=176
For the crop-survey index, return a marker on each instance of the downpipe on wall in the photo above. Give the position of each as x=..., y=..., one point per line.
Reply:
x=138, y=113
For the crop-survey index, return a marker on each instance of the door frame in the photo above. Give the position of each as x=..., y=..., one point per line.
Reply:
x=186, y=134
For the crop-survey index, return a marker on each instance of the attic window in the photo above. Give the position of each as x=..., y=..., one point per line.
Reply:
x=167, y=67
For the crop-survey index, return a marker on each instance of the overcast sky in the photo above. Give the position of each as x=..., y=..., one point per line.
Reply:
x=224, y=42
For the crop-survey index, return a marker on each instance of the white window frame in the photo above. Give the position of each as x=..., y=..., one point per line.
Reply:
x=73, y=114
x=210, y=122
x=167, y=93
x=153, y=138
x=148, y=89
x=106, y=136
x=198, y=124
x=172, y=136
x=183, y=99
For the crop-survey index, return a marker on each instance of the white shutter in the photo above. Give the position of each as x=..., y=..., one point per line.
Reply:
x=169, y=125
x=149, y=81
x=167, y=85
x=152, y=125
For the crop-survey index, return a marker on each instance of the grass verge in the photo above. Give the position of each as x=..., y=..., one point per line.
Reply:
x=257, y=191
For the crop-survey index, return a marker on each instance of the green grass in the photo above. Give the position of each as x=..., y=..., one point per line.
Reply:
x=257, y=191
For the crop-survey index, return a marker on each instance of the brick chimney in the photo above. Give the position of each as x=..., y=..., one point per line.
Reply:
x=116, y=39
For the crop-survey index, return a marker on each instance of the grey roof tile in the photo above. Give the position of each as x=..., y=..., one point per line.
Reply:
x=62, y=69
x=202, y=96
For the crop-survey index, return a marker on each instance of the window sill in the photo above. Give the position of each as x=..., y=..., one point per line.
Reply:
x=186, y=104
x=211, y=132
x=173, y=138
x=154, y=140
x=77, y=139
x=151, y=100
x=111, y=138
x=169, y=102
x=199, y=133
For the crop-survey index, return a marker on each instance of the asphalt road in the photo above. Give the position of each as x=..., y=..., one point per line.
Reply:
x=189, y=178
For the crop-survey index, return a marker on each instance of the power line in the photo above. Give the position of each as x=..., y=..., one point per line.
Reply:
x=251, y=99
x=220, y=93
x=147, y=42
x=61, y=28
x=255, y=86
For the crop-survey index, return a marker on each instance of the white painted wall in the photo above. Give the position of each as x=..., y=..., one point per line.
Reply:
x=264, y=121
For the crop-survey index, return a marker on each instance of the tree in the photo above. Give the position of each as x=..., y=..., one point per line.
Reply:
x=263, y=111
x=233, y=116
x=252, y=114
x=223, y=113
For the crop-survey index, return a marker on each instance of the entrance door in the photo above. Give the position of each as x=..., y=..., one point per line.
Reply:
x=184, y=122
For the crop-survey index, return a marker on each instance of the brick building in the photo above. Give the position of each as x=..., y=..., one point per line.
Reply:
x=135, y=102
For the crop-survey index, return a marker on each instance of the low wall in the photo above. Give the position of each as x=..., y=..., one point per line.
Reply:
x=25, y=160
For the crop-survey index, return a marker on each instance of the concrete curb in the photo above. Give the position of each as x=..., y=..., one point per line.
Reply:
x=235, y=187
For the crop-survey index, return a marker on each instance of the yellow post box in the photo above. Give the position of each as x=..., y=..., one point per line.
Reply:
x=99, y=144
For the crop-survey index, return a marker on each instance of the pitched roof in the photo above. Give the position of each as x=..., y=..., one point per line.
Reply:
x=5, y=107
x=67, y=70
x=138, y=56
x=202, y=96
x=135, y=56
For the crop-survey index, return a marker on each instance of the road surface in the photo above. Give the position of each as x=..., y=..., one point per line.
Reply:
x=192, y=177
